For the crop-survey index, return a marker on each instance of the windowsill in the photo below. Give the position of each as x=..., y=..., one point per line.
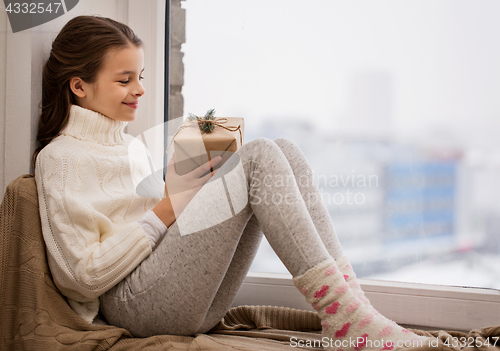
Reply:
x=417, y=305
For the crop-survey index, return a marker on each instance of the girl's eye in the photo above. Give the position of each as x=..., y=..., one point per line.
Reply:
x=127, y=81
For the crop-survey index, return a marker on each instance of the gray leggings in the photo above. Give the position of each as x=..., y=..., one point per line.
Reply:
x=191, y=279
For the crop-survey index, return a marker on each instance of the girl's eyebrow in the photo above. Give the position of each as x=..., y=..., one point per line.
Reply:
x=127, y=72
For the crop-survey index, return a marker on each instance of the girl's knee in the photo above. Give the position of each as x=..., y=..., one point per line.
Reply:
x=264, y=144
x=261, y=151
x=285, y=143
x=259, y=147
x=261, y=141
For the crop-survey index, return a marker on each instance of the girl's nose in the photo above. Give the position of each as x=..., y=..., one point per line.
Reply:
x=139, y=90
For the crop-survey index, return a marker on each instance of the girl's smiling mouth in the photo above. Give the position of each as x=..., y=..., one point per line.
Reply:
x=134, y=104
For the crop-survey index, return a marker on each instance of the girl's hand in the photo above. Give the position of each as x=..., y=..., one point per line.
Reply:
x=180, y=189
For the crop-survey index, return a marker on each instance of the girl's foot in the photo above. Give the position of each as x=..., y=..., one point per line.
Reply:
x=348, y=323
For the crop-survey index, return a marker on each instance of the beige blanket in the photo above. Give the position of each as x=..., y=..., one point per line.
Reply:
x=35, y=316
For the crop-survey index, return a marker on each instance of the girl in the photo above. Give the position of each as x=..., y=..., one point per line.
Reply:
x=100, y=233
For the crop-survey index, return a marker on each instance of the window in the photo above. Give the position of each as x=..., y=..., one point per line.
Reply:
x=393, y=104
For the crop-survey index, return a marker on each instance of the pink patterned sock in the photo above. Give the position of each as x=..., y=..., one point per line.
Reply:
x=351, y=279
x=348, y=324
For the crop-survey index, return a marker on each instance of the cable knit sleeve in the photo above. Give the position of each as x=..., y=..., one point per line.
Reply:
x=154, y=228
x=89, y=214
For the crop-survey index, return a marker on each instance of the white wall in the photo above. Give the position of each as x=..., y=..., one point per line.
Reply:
x=15, y=133
x=23, y=54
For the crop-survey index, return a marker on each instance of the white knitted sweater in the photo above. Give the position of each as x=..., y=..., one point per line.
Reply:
x=86, y=181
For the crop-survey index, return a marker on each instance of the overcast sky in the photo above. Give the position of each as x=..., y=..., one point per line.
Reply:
x=406, y=66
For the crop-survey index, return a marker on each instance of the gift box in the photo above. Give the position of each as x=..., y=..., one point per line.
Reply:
x=193, y=146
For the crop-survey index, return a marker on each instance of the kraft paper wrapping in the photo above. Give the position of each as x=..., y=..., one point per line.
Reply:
x=193, y=147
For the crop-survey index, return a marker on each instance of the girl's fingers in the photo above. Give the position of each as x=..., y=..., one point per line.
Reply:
x=198, y=172
x=192, y=181
x=171, y=167
x=207, y=176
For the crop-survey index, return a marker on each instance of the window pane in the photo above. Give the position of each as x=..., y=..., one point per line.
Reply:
x=395, y=105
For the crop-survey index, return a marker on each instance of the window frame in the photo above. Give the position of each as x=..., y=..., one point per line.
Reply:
x=418, y=305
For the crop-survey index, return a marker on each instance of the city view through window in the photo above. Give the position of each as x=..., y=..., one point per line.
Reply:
x=395, y=105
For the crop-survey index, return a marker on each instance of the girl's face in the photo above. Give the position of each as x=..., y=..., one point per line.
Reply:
x=118, y=87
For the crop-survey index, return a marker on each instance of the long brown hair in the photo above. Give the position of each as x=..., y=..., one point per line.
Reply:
x=79, y=50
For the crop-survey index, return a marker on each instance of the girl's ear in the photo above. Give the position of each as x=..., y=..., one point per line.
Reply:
x=77, y=87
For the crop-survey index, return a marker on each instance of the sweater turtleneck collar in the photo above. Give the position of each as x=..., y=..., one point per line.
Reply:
x=93, y=126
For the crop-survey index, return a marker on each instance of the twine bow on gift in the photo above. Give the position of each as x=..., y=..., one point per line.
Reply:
x=207, y=124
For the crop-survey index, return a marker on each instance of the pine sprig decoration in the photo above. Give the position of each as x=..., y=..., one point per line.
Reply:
x=206, y=127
